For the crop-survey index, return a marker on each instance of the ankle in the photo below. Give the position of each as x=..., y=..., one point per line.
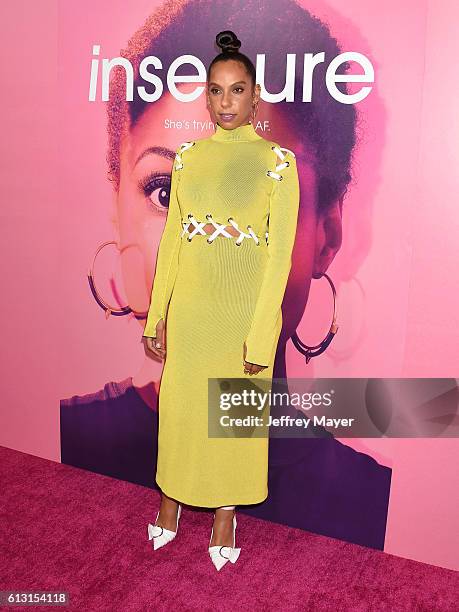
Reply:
x=168, y=502
x=225, y=513
x=168, y=514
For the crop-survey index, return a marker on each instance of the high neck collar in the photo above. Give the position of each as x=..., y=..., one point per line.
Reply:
x=242, y=133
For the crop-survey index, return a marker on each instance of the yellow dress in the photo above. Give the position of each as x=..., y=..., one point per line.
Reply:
x=218, y=291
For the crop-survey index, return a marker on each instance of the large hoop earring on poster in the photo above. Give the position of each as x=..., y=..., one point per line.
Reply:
x=318, y=349
x=109, y=310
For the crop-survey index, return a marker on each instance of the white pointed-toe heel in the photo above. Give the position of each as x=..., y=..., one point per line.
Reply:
x=160, y=535
x=220, y=555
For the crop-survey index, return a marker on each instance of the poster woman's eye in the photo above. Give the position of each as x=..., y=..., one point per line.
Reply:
x=156, y=187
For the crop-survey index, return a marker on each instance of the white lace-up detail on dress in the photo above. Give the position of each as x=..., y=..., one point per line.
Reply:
x=242, y=234
x=219, y=230
x=178, y=156
x=280, y=166
x=198, y=227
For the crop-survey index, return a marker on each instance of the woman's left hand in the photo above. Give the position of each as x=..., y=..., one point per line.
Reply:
x=250, y=368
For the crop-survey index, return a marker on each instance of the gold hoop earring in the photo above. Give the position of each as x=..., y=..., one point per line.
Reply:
x=254, y=111
x=109, y=310
x=315, y=351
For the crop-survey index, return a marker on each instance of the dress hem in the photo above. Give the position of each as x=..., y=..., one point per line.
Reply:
x=200, y=504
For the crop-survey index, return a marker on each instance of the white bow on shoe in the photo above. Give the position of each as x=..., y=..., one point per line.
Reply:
x=219, y=554
x=222, y=554
x=161, y=535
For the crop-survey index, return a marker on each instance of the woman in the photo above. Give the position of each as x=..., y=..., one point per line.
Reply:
x=316, y=484
x=225, y=281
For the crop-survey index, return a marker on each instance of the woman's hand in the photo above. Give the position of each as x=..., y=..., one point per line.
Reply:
x=158, y=345
x=250, y=368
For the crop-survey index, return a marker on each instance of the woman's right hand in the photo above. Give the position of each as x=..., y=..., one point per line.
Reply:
x=158, y=345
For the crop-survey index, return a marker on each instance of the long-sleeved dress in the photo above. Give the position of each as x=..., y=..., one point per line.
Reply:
x=216, y=291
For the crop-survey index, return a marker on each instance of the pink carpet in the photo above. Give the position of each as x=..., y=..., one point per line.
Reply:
x=69, y=529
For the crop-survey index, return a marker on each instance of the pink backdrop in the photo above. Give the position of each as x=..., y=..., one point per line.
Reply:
x=395, y=273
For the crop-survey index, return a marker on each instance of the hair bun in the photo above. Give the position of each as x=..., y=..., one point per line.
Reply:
x=228, y=42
